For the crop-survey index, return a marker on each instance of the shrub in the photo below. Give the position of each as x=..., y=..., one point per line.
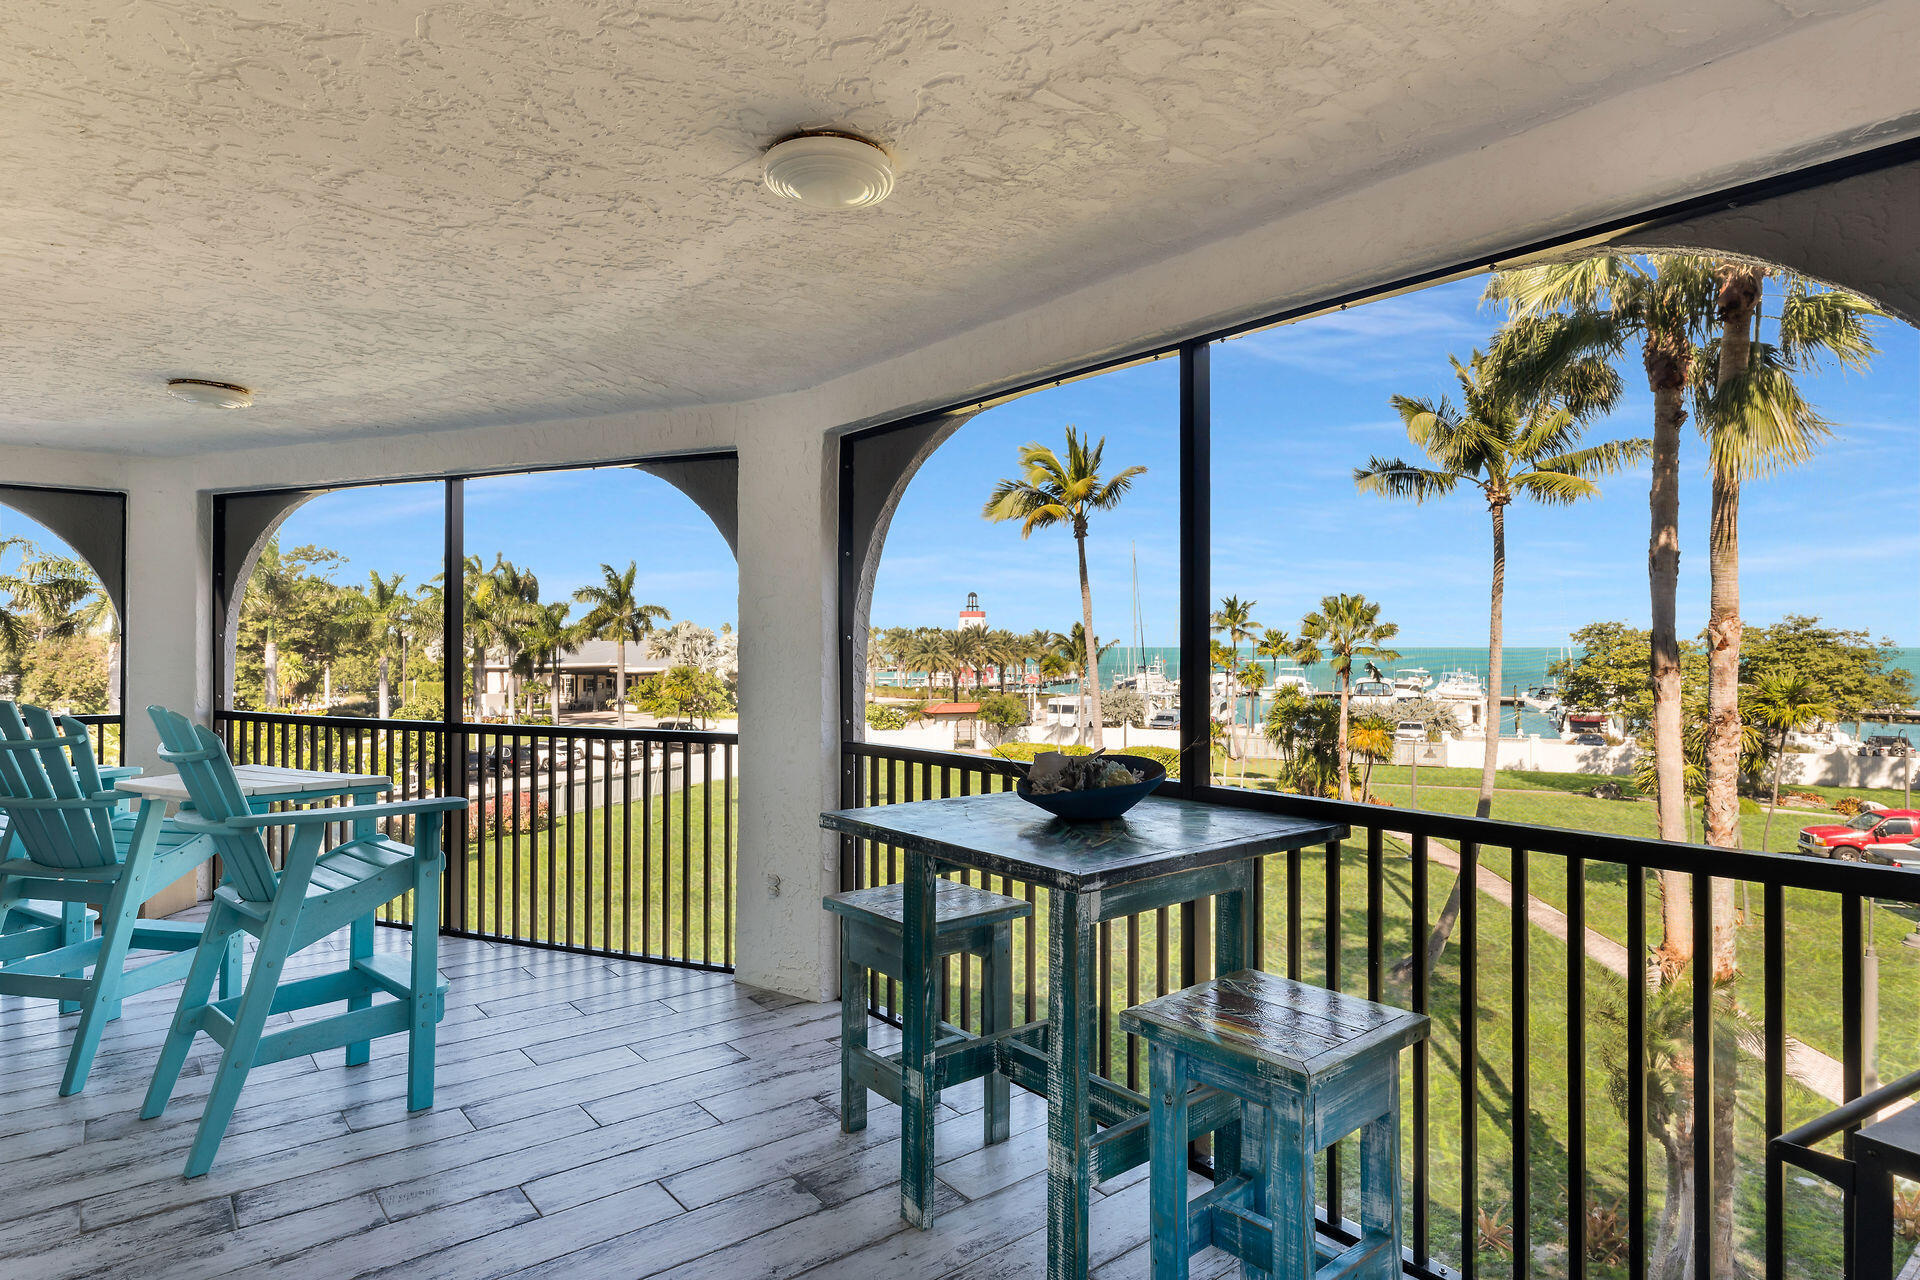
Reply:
x=884, y=717
x=1024, y=752
x=1847, y=806
x=1167, y=756
x=517, y=814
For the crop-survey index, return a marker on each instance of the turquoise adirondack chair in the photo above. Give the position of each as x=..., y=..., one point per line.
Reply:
x=318, y=891
x=69, y=841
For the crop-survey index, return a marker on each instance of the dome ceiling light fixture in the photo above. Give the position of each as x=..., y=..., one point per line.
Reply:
x=827, y=169
x=214, y=395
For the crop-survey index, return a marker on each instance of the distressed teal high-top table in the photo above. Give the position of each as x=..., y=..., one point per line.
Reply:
x=1163, y=852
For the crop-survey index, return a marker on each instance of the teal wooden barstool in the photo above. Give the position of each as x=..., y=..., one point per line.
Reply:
x=969, y=921
x=1310, y=1067
x=318, y=891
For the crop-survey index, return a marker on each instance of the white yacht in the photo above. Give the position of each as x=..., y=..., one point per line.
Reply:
x=1372, y=695
x=1291, y=678
x=1460, y=686
x=1411, y=682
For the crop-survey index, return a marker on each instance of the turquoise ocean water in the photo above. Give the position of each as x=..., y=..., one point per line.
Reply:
x=1524, y=667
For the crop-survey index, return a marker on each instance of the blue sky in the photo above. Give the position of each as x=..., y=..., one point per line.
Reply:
x=1296, y=408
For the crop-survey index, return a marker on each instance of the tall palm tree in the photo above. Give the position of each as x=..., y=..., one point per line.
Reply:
x=1052, y=491
x=1755, y=419
x=615, y=613
x=382, y=610
x=1596, y=306
x=1234, y=619
x=547, y=638
x=1507, y=446
x=1783, y=702
x=272, y=594
x=1346, y=627
x=970, y=652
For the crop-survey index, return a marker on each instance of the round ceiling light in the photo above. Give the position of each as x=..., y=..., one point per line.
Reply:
x=829, y=171
x=215, y=395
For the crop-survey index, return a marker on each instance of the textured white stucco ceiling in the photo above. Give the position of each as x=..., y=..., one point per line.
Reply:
x=387, y=215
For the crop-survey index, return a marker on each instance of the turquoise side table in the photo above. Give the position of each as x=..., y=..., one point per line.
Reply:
x=1309, y=1066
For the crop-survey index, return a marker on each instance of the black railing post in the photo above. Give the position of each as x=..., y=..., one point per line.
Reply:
x=453, y=744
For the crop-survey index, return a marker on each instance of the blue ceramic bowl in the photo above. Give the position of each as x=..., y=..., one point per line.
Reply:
x=1102, y=803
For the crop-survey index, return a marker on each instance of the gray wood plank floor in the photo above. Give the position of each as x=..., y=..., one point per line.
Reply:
x=593, y=1118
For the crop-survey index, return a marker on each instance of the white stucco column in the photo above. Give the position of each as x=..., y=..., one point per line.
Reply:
x=789, y=730
x=167, y=652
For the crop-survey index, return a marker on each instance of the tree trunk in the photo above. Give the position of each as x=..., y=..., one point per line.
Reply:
x=1340, y=743
x=113, y=674
x=480, y=682
x=1667, y=359
x=1779, y=761
x=270, y=670
x=1093, y=645
x=620, y=681
x=1490, y=762
x=385, y=701
x=553, y=693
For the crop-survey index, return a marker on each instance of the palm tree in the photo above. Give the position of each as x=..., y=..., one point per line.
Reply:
x=615, y=614
x=1347, y=627
x=930, y=649
x=1755, y=419
x=1507, y=446
x=272, y=594
x=1252, y=678
x=1071, y=650
x=1373, y=740
x=1783, y=702
x=1234, y=619
x=970, y=653
x=1594, y=307
x=1052, y=491
x=547, y=638
x=62, y=599
x=382, y=609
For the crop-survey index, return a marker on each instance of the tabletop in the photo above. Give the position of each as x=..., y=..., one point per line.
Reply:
x=261, y=780
x=1003, y=834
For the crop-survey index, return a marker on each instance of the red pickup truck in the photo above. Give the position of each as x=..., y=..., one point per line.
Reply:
x=1871, y=826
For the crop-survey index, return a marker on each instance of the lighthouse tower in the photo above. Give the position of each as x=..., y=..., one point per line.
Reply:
x=973, y=615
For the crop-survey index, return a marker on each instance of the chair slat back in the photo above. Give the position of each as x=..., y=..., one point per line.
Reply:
x=201, y=760
x=40, y=761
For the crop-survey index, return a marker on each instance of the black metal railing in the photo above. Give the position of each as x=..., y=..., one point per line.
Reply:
x=1549, y=1127
x=104, y=730
x=616, y=842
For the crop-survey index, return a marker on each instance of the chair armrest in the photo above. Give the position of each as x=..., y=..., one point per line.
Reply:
x=115, y=772
x=340, y=813
x=100, y=799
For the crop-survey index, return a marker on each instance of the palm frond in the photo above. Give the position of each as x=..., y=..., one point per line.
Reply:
x=1393, y=478
x=1599, y=459
x=1828, y=322
x=1555, y=488
x=1758, y=421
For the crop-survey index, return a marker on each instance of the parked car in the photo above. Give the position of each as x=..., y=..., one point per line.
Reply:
x=1869, y=827
x=1589, y=740
x=1164, y=720
x=1886, y=744
x=1410, y=731
x=679, y=725
x=1900, y=854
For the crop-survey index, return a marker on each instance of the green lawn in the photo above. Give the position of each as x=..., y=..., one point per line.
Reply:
x=655, y=879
